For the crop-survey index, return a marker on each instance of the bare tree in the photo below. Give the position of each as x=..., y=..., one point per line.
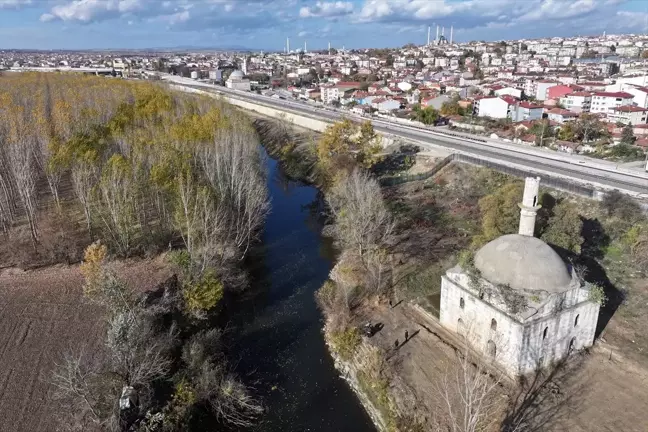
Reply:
x=469, y=391
x=362, y=221
x=88, y=398
x=22, y=163
x=234, y=168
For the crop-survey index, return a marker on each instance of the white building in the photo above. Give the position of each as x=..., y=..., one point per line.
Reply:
x=330, y=94
x=605, y=102
x=491, y=106
x=541, y=88
x=628, y=114
x=521, y=305
x=236, y=81
x=639, y=93
x=512, y=91
x=577, y=102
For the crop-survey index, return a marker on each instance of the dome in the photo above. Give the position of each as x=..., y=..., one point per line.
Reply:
x=236, y=74
x=523, y=263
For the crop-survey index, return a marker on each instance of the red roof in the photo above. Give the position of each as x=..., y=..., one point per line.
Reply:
x=623, y=95
x=580, y=94
x=629, y=108
x=508, y=98
x=348, y=84
x=529, y=105
x=563, y=112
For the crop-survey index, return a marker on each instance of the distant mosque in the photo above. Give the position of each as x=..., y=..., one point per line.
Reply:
x=521, y=305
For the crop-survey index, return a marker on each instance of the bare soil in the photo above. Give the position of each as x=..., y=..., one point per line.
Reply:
x=594, y=391
x=42, y=316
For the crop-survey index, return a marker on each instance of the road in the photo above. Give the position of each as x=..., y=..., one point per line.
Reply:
x=580, y=169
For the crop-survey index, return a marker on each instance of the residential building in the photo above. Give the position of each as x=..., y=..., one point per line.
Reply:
x=577, y=102
x=492, y=106
x=559, y=115
x=605, y=102
x=521, y=111
x=330, y=93
x=511, y=91
x=639, y=93
x=541, y=88
x=628, y=114
x=561, y=90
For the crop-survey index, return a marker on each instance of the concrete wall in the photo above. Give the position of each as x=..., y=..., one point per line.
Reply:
x=540, y=350
x=295, y=119
x=520, y=348
x=476, y=318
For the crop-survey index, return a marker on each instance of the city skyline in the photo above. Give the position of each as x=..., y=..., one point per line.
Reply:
x=265, y=24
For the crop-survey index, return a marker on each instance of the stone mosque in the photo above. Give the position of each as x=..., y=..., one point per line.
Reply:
x=519, y=303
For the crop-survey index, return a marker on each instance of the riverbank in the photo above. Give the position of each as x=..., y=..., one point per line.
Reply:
x=402, y=387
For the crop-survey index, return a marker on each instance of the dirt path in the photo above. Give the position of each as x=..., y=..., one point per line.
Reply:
x=42, y=315
x=592, y=393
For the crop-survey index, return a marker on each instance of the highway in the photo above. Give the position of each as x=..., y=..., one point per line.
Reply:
x=580, y=169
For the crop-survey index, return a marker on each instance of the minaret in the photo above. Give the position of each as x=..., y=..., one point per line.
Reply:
x=451, y=29
x=428, y=43
x=436, y=41
x=529, y=206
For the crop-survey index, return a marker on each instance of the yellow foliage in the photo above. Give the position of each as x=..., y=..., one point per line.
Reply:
x=92, y=267
x=203, y=295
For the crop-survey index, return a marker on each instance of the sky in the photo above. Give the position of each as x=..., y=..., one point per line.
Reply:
x=265, y=24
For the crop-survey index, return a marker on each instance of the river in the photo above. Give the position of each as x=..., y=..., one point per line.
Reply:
x=279, y=343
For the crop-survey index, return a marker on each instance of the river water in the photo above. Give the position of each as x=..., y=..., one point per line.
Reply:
x=279, y=343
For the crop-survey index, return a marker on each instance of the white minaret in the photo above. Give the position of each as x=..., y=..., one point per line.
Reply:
x=429, y=28
x=436, y=41
x=529, y=206
x=451, y=29
x=443, y=31
x=288, y=45
x=304, y=46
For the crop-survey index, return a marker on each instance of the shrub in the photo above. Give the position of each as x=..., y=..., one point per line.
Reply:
x=202, y=295
x=597, y=295
x=345, y=342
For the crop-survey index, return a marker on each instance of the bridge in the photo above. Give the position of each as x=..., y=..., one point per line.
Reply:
x=597, y=174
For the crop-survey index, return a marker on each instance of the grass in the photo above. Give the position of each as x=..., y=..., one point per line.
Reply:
x=377, y=391
x=345, y=343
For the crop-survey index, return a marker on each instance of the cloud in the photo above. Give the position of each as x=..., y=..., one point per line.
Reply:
x=326, y=9
x=484, y=14
x=14, y=4
x=93, y=10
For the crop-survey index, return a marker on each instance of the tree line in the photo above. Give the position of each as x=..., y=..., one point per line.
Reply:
x=146, y=169
x=143, y=165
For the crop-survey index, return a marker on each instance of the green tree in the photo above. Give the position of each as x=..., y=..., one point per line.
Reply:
x=500, y=213
x=427, y=115
x=564, y=228
x=627, y=135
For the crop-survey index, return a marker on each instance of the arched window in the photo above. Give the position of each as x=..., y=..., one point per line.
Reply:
x=462, y=303
x=460, y=325
x=491, y=348
x=576, y=320
x=493, y=324
x=535, y=201
x=544, y=333
x=572, y=345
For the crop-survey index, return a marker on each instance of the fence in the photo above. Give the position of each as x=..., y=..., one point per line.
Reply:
x=396, y=180
x=551, y=182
